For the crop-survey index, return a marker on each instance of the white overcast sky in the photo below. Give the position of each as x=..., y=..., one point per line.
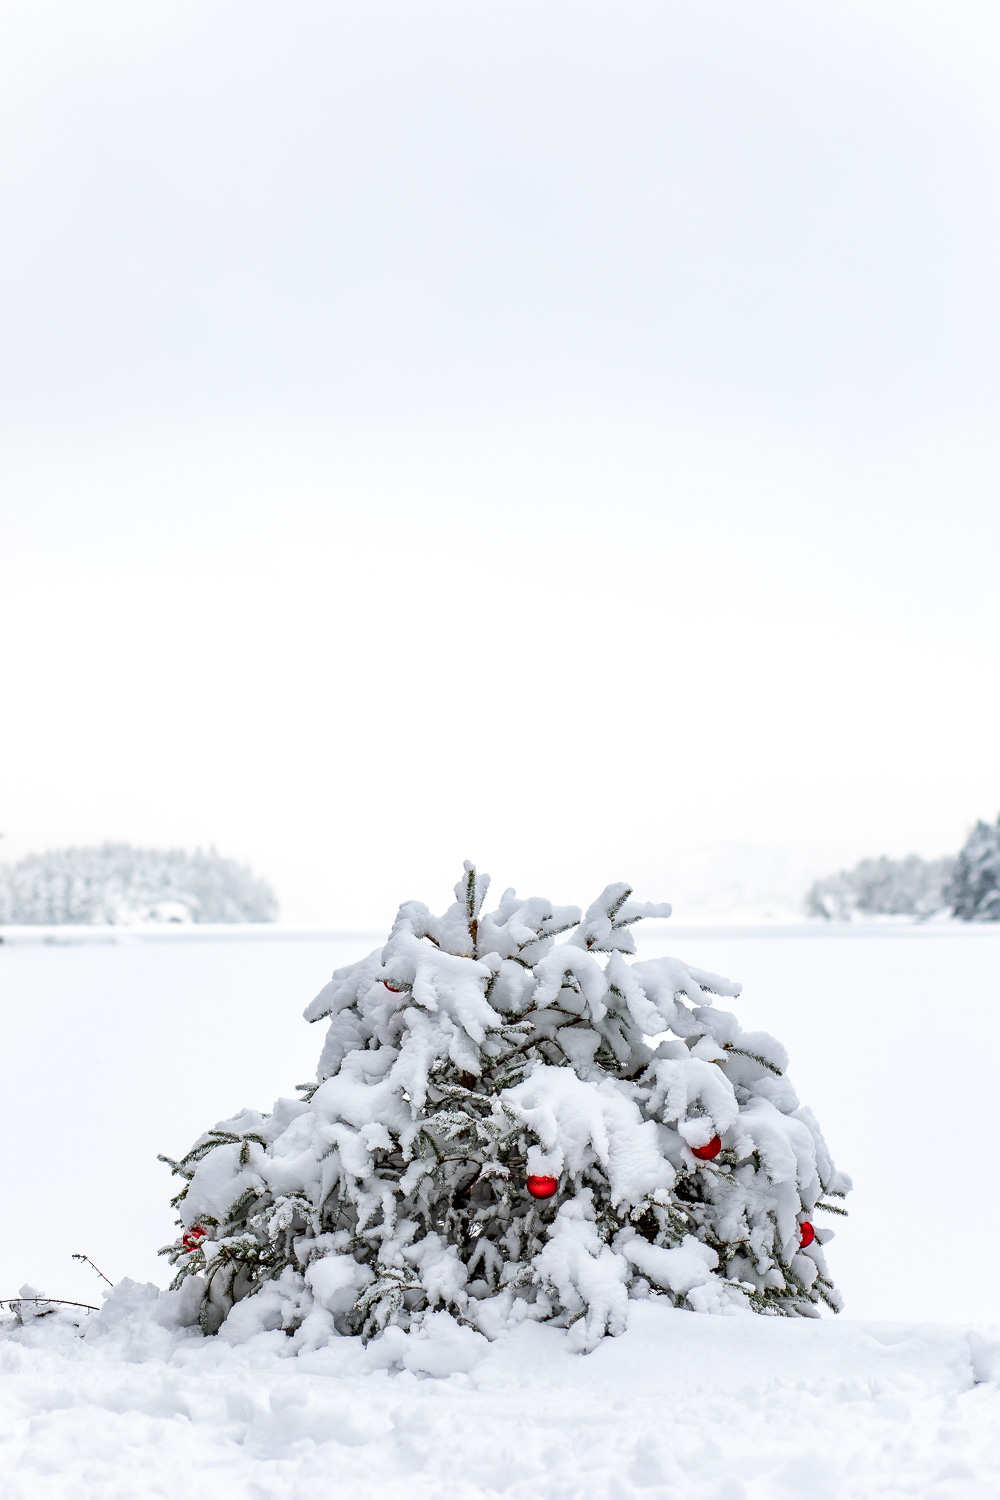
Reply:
x=561, y=434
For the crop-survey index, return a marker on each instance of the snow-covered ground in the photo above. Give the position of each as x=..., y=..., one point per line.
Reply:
x=680, y=1407
x=115, y=1051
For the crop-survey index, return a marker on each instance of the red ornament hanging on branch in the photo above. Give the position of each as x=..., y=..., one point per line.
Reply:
x=193, y=1237
x=806, y=1233
x=542, y=1187
x=392, y=988
x=709, y=1151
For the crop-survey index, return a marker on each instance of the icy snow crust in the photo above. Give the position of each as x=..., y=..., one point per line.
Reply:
x=470, y=1053
x=681, y=1407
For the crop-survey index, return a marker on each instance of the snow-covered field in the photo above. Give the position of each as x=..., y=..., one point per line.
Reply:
x=680, y=1407
x=115, y=1051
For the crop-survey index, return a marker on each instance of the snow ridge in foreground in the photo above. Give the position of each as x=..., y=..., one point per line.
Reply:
x=133, y=1404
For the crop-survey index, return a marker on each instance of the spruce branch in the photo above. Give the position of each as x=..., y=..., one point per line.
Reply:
x=755, y=1056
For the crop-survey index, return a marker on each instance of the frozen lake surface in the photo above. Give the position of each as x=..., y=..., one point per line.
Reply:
x=115, y=1051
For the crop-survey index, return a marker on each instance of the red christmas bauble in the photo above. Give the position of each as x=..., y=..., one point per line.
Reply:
x=709, y=1151
x=806, y=1233
x=391, y=988
x=193, y=1237
x=542, y=1187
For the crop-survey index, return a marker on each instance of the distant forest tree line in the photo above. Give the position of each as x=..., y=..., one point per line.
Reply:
x=965, y=885
x=117, y=885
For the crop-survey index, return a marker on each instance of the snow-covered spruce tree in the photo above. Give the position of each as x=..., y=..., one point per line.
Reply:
x=512, y=1123
x=116, y=883
x=910, y=887
x=973, y=892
